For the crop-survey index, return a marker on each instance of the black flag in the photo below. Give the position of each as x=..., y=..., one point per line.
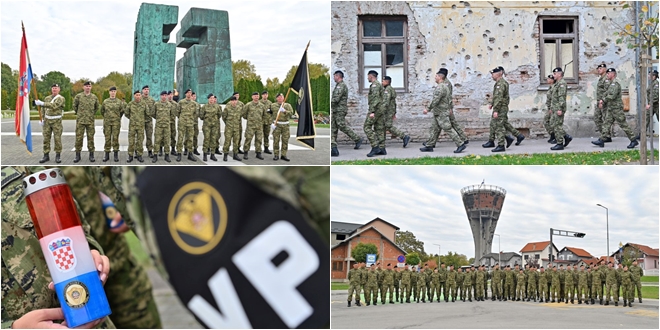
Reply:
x=300, y=86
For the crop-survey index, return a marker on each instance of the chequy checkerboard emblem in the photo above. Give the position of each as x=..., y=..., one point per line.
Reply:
x=62, y=252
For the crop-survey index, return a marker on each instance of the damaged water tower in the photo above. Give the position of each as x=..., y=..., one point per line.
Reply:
x=483, y=205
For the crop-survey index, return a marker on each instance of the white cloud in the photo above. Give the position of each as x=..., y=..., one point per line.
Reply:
x=92, y=38
x=426, y=200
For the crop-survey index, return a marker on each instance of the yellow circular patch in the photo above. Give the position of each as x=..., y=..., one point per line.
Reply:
x=76, y=294
x=197, y=217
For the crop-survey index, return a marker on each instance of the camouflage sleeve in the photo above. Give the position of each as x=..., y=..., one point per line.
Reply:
x=97, y=104
x=202, y=113
x=548, y=98
x=336, y=96
x=127, y=112
x=177, y=109
x=57, y=102
x=559, y=97
x=393, y=97
x=103, y=109
x=654, y=95
x=498, y=99
x=612, y=92
x=224, y=113
x=244, y=112
x=76, y=101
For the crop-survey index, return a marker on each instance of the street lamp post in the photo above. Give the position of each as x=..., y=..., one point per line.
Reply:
x=439, y=247
x=499, y=250
x=607, y=221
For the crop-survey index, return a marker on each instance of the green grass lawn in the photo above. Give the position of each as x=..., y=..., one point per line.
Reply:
x=573, y=158
x=136, y=249
x=338, y=286
x=650, y=279
x=650, y=292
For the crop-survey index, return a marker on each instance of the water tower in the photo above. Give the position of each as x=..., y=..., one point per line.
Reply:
x=483, y=205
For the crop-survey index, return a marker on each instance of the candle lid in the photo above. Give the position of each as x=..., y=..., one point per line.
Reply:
x=43, y=179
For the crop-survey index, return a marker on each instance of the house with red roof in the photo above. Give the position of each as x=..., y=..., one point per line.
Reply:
x=647, y=257
x=538, y=253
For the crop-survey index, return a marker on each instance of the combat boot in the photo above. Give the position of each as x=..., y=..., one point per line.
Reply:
x=217, y=152
x=376, y=302
x=151, y=154
x=632, y=144
x=349, y=303
x=572, y=302
x=470, y=299
x=91, y=156
x=213, y=157
x=77, y=158
x=44, y=159
x=640, y=298
x=240, y=151
x=527, y=300
x=552, y=140
x=106, y=156
x=185, y=152
x=630, y=303
x=204, y=158
x=557, y=147
x=334, y=152
x=284, y=158
x=140, y=159
x=426, y=149
x=406, y=139
x=391, y=302
x=460, y=148
x=374, y=151
x=178, y=157
x=625, y=303
x=130, y=158
x=498, y=149
x=609, y=139
x=368, y=303
x=173, y=152
x=601, y=301
x=509, y=140
x=607, y=303
x=519, y=139
x=593, y=301
x=408, y=301
x=236, y=157
x=167, y=158
x=160, y=151
x=154, y=158
x=57, y=158
x=357, y=303
x=488, y=144
x=266, y=151
x=616, y=303
x=276, y=157
x=567, y=140
x=423, y=301
x=259, y=156
x=552, y=301
x=566, y=301
x=579, y=301
x=224, y=157
x=116, y=156
x=382, y=151
x=196, y=152
x=599, y=143
x=358, y=144
x=245, y=155
x=191, y=157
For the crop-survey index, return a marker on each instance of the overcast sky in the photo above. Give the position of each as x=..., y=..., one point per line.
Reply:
x=90, y=39
x=427, y=201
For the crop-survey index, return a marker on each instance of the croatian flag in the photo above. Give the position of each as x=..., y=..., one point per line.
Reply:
x=22, y=116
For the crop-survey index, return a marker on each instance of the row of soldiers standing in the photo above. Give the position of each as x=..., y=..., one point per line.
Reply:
x=554, y=285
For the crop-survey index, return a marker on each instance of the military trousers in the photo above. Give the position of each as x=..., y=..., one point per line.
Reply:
x=375, y=130
x=480, y=290
x=52, y=127
x=396, y=291
x=555, y=289
x=494, y=124
x=232, y=137
x=466, y=292
x=135, y=138
x=354, y=288
x=421, y=288
x=557, y=123
x=531, y=290
x=405, y=291
x=111, y=134
x=266, y=130
x=371, y=293
x=583, y=291
x=255, y=132
x=457, y=127
x=162, y=135
x=612, y=289
x=386, y=289
x=497, y=288
x=596, y=289
x=547, y=122
x=520, y=290
x=81, y=129
x=616, y=114
x=173, y=131
x=149, y=133
x=441, y=122
x=509, y=292
x=434, y=289
x=599, y=117
x=451, y=291
x=628, y=291
x=281, y=136
x=211, y=132
x=543, y=290
x=195, y=137
x=442, y=290
x=185, y=136
x=338, y=121
x=389, y=126
x=637, y=287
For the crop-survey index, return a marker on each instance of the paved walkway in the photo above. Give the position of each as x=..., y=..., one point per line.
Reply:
x=173, y=314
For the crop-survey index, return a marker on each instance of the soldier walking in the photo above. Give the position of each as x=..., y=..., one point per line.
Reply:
x=558, y=107
x=85, y=105
x=255, y=114
x=231, y=115
x=52, y=122
x=389, y=100
x=613, y=102
x=548, y=112
x=112, y=109
x=136, y=110
x=601, y=88
x=374, y=125
x=339, y=110
x=210, y=114
x=652, y=101
x=162, y=113
x=281, y=132
x=499, y=123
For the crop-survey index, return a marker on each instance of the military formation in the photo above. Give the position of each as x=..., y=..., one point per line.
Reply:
x=592, y=285
x=382, y=112
x=176, y=125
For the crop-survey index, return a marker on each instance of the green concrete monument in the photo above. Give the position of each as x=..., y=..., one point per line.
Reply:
x=206, y=65
x=153, y=56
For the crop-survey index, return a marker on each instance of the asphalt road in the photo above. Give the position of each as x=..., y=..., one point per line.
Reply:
x=492, y=314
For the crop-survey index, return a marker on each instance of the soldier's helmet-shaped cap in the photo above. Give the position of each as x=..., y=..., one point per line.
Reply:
x=187, y=90
x=113, y=88
x=87, y=83
x=611, y=70
x=373, y=73
x=163, y=93
x=210, y=96
x=443, y=71
x=497, y=69
x=233, y=98
x=551, y=77
x=264, y=92
x=557, y=69
x=602, y=65
x=235, y=93
x=279, y=94
x=169, y=92
x=136, y=92
x=255, y=93
x=55, y=85
x=388, y=78
x=655, y=73
x=145, y=86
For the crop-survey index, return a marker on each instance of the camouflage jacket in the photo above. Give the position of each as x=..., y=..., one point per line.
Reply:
x=270, y=114
x=467, y=278
x=173, y=112
x=283, y=116
x=375, y=98
x=162, y=113
x=548, y=97
x=405, y=277
x=255, y=113
x=388, y=277
x=112, y=110
x=150, y=108
x=601, y=87
x=85, y=106
x=54, y=105
x=500, y=101
x=451, y=276
x=626, y=278
x=652, y=93
x=136, y=111
x=354, y=276
x=558, y=102
x=232, y=115
x=441, y=102
x=613, y=98
x=389, y=100
x=187, y=112
x=210, y=114
x=340, y=98
x=582, y=276
x=636, y=272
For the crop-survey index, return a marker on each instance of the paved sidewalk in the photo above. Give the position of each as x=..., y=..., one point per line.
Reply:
x=173, y=314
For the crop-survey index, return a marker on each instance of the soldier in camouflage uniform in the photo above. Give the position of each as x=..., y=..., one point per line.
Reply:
x=652, y=101
x=486, y=278
x=554, y=283
x=195, y=129
x=562, y=283
x=611, y=282
x=354, y=279
x=626, y=283
x=389, y=100
x=363, y=281
x=210, y=114
x=434, y=285
x=637, y=274
x=509, y=292
x=520, y=288
x=467, y=284
x=459, y=284
x=380, y=282
x=374, y=125
x=187, y=113
x=452, y=119
x=499, y=123
x=406, y=275
x=583, y=288
x=162, y=112
x=27, y=300
x=414, y=275
x=240, y=123
x=281, y=132
x=231, y=115
x=441, y=107
x=613, y=102
x=128, y=287
x=339, y=111
x=112, y=109
x=442, y=288
x=596, y=285
x=532, y=278
x=85, y=105
x=496, y=283
x=136, y=110
x=256, y=114
x=148, y=120
x=397, y=283
x=173, y=115
x=371, y=292
x=269, y=120
x=421, y=286
x=569, y=285
x=52, y=122
x=558, y=107
x=544, y=294
x=388, y=284
x=601, y=88
x=451, y=284
x=479, y=294
x=548, y=112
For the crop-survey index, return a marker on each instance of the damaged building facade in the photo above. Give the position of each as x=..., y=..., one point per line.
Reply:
x=410, y=41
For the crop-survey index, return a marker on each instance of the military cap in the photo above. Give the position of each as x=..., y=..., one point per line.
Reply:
x=557, y=69
x=655, y=72
x=87, y=83
x=55, y=85
x=279, y=94
x=388, y=78
x=611, y=70
x=551, y=77
x=235, y=93
x=255, y=93
x=113, y=88
x=341, y=74
x=373, y=73
x=145, y=86
x=210, y=96
x=233, y=98
x=264, y=92
x=497, y=69
x=163, y=93
x=169, y=92
x=187, y=90
x=602, y=65
x=193, y=93
x=136, y=92
x=443, y=71
x=541, y=266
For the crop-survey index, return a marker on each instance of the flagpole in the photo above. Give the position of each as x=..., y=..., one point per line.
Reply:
x=289, y=90
x=34, y=89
